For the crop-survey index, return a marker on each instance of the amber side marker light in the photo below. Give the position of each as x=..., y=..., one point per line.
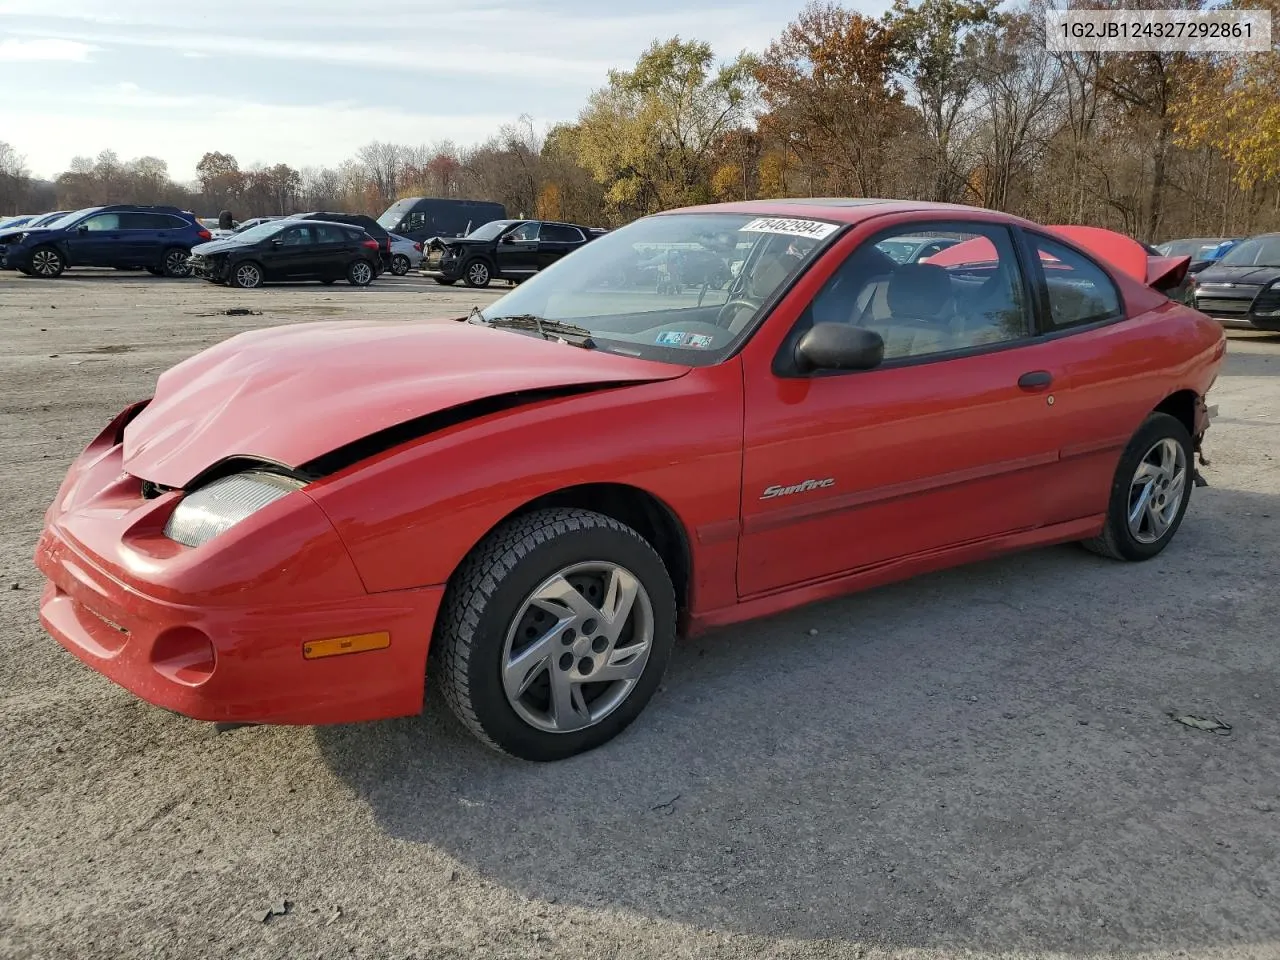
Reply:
x=340, y=645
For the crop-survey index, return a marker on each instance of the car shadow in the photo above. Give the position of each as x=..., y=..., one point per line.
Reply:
x=982, y=758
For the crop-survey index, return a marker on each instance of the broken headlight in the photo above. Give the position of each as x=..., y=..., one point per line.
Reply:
x=217, y=507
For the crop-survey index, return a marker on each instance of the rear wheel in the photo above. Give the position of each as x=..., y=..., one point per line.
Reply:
x=476, y=274
x=555, y=633
x=399, y=264
x=1150, y=492
x=245, y=275
x=47, y=262
x=359, y=273
x=175, y=263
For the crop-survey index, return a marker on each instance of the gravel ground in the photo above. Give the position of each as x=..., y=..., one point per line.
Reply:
x=979, y=762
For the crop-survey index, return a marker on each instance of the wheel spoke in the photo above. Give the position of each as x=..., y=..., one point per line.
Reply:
x=524, y=668
x=1156, y=519
x=619, y=597
x=1137, y=510
x=627, y=663
x=1176, y=487
x=1146, y=471
x=569, y=711
x=558, y=595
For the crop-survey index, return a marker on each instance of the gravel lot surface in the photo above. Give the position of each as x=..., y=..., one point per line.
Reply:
x=973, y=763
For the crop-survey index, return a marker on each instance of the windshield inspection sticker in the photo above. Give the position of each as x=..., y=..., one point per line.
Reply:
x=815, y=229
x=671, y=338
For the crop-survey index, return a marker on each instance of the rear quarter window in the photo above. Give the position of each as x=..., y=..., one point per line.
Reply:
x=1077, y=291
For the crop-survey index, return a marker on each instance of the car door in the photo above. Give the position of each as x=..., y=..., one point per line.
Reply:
x=517, y=252
x=141, y=238
x=293, y=254
x=951, y=440
x=555, y=241
x=93, y=240
x=1105, y=354
x=333, y=249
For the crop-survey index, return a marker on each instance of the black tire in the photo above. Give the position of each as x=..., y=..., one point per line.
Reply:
x=360, y=273
x=1118, y=541
x=47, y=262
x=490, y=589
x=174, y=263
x=445, y=283
x=477, y=273
x=399, y=265
x=245, y=275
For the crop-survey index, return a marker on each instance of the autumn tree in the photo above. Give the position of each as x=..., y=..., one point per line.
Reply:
x=939, y=55
x=15, y=179
x=830, y=96
x=220, y=179
x=649, y=135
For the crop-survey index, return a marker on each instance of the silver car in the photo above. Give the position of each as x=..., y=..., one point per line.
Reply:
x=406, y=254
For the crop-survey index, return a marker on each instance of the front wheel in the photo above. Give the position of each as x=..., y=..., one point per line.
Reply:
x=477, y=274
x=47, y=262
x=399, y=264
x=1150, y=492
x=359, y=273
x=555, y=633
x=245, y=275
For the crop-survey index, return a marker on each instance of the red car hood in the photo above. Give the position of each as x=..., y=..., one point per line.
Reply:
x=290, y=394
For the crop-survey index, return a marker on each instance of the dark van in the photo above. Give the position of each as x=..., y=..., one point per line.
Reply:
x=423, y=218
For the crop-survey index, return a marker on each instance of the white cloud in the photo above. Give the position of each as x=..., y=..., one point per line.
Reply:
x=136, y=122
x=44, y=48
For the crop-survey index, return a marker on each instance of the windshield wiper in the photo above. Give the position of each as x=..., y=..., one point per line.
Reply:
x=547, y=329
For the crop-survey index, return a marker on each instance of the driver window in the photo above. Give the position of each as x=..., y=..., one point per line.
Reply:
x=968, y=294
x=297, y=236
x=526, y=231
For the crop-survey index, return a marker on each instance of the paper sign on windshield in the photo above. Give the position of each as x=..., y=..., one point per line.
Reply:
x=814, y=229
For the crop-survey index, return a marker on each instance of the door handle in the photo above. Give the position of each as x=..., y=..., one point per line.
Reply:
x=1035, y=380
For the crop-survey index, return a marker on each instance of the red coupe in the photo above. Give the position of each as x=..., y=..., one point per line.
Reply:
x=709, y=415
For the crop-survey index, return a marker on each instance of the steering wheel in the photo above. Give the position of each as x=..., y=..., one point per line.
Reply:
x=727, y=313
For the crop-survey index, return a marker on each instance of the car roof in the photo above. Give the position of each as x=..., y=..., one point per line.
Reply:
x=845, y=209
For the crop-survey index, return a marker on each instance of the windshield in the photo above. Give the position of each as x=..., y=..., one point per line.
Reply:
x=261, y=231
x=685, y=288
x=70, y=218
x=392, y=216
x=1188, y=248
x=1258, y=252
x=489, y=230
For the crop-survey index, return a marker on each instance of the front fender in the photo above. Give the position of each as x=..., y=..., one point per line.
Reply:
x=409, y=516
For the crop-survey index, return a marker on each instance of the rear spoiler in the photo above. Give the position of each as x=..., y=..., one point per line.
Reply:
x=1128, y=256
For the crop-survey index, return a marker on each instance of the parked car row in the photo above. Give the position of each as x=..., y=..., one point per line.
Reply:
x=511, y=250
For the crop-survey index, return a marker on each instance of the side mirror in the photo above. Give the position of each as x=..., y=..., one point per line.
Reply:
x=83, y=228
x=839, y=346
x=508, y=238
x=277, y=242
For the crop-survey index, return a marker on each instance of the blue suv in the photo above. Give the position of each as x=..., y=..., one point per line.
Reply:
x=121, y=235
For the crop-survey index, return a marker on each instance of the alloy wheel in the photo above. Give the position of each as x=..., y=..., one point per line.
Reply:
x=45, y=263
x=577, y=646
x=361, y=273
x=175, y=264
x=478, y=274
x=1157, y=490
x=247, y=275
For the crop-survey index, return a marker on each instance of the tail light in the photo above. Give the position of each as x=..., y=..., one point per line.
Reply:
x=370, y=244
x=417, y=247
x=204, y=234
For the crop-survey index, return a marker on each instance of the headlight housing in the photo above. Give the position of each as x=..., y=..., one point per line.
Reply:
x=217, y=507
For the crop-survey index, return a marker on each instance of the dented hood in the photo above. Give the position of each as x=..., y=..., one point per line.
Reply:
x=291, y=394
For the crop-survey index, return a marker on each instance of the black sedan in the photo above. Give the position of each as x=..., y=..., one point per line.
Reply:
x=289, y=250
x=1243, y=288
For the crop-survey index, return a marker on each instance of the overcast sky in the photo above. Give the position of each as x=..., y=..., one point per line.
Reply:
x=306, y=82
